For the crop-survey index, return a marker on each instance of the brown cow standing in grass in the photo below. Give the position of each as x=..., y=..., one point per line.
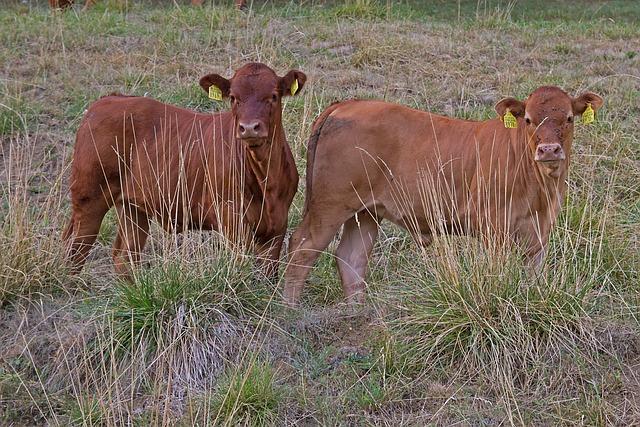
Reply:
x=369, y=160
x=232, y=171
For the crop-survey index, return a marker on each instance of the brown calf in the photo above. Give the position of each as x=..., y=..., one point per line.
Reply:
x=232, y=172
x=369, y=160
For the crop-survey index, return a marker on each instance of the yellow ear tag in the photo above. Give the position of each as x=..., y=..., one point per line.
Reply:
x=294, y=87
x=509, y=120
x=215, y=93
x=588, y=116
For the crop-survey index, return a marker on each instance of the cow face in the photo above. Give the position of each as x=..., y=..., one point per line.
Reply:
x=548, y=117
x=255, y=92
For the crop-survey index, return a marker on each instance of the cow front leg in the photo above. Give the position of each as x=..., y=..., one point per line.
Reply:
x=534, y=247
x=536, y=260
x=268, y=257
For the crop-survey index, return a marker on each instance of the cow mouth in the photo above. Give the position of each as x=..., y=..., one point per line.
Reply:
x=254, y=142
x=551, y=162
x=552, y=168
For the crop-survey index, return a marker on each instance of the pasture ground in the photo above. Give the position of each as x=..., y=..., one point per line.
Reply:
x=448, y=335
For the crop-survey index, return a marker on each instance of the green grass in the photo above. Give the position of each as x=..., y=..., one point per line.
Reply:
x=247, y=396
x=176, y=297
x=87, y=412
x=486, y=316
x=16, y=113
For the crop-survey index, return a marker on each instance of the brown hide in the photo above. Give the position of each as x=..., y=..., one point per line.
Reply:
x=185, y=169
x=60, y=4
x=371, y=160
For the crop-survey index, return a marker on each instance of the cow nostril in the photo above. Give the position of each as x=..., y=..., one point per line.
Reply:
x=556, y=150
x=251, y=129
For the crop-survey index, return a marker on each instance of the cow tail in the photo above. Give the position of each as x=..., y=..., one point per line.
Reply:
x=316, y=129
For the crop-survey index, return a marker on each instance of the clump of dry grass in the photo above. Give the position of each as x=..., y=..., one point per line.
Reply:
x=31, y=261
x=182, y=319
x=484, y=315
x=164, y=340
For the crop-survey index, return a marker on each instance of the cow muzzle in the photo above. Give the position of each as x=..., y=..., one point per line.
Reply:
x=254, y=132
x=549, y=153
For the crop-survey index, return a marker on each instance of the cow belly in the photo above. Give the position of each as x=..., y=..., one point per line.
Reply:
x=165, y=195
x=426, y=201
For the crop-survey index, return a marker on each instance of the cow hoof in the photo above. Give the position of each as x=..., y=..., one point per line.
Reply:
x=356, y=299
x=291, y=301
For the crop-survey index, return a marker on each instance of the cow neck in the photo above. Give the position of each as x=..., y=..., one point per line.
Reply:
x=263, y=168
x=265, y=163
x=550, y=189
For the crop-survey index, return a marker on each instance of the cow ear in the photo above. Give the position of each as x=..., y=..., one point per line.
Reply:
x=212, y=81
x=513, y=105
x=292, y=83
x=580, y=103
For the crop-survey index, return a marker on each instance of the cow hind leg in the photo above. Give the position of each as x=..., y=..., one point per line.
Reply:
x=312, y=236
x=82, y=231
x=358, y=237
x=133, y=230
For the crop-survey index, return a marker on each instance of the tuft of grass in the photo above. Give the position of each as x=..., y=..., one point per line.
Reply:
x=87, y=412
x=31, y=261
x=16, y=114
x=368, y=394
x=173, y=329
x=361, y=9
x=587, y=246
x=248, y=396
x=485, y=315
x=178, y=294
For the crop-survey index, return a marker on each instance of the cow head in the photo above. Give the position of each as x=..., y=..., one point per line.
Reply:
x=255, y=92
x=548, y=117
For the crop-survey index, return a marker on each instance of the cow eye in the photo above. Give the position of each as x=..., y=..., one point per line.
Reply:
x=232, y=99
x=274, y=97
x=570, y=119
x=528, y=120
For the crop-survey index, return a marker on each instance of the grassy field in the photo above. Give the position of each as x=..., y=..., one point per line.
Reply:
x=448, y=335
